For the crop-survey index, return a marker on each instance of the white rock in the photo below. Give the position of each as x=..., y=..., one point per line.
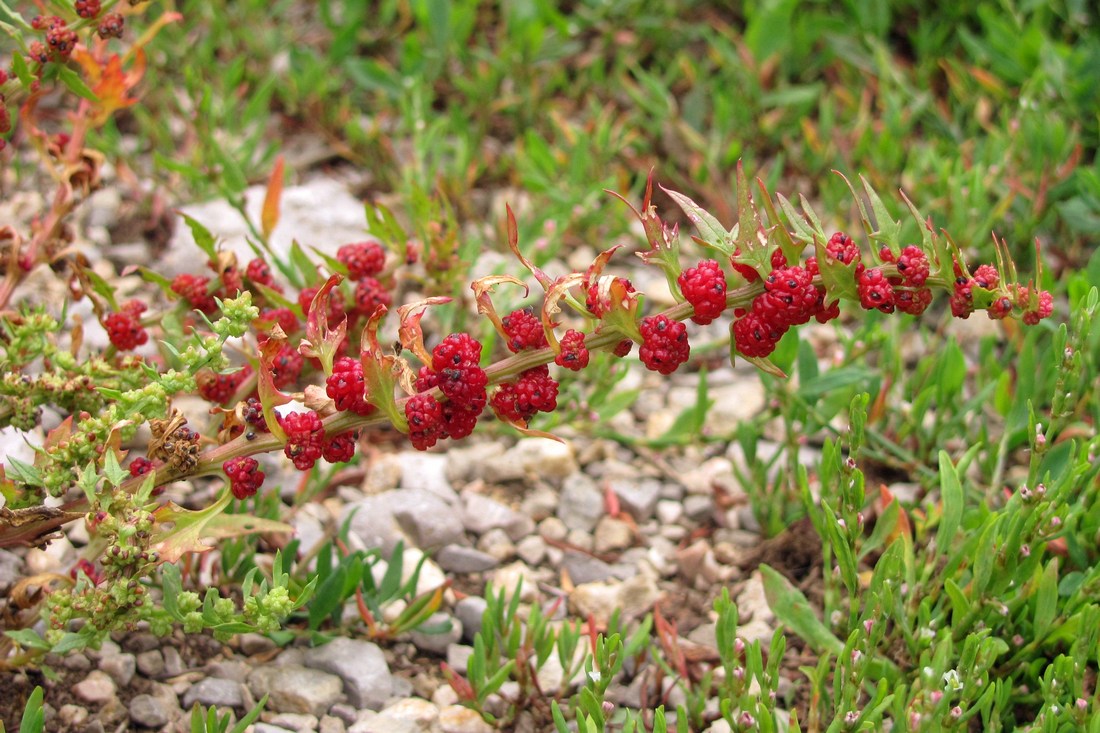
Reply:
x=459, y=719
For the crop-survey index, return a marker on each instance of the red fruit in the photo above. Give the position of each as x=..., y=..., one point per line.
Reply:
x=912, y=265
x=778, y=259
x=458, y=421
x=986, y=277
x=193, y=289
x=340, y=448
x=533, y=392
x=141, y=466
x=111, y=26
x=347, y=388
x=363, y=259
x=792, y=292
x=253, y=414
x=1042, y=310
x=219, y=388
x=1000, y=308
x=369, y=294
x=305, y=437
x=913, y=302
x=704, y=286
x=259, y=272
x=962, y=300
x=425, y=417
x=61, y=40
x=87, y=8
x=573, y=353
x=524, y=331
x=336, y=309
x=426, y=379
x=664, y=344
x=245, y=478
x=287, y=366
x=457, y=350
x=599, y=305
x=282, y=317
x=755, y=336
x=134, y=307
x=875, y=291
x=125, y=331
x=623, y=348
x=841, y=248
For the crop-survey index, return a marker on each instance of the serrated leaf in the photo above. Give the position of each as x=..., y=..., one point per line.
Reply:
x=23, y=472
x=710, y=229
x=178, y=531
x=115, y=473
x=889, y=230
x=101, y=287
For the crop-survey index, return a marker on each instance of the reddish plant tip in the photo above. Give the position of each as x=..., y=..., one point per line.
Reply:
x=87, y=9
x=456, y=350
x=287, y=366
x=962, y=299
x=425, y=417
x=573, y=355
x=125, y=331
x=305, y=436
x=523, y=331
x=336, y=310
x=347, y=388
x=245, y=476
x=363, y=259
x=704, y=286
x=664, y=344
x=219, y=388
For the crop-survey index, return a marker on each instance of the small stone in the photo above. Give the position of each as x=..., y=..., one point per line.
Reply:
x=96, y=688
x=255, y=644
x=345, y=712
x=459, y=719
x=437, y=643
x=464, y=463
x=269, y=728
x=294, y=721
x=457, y=657
x=76, y=662
x=295, y=689
x=331, y=724
x=149, y=712
x=462, y=559
x=496, y=544
x=637, y=595
x=612, y=534
x=53, y=559
x=443, y=696
x=151, y=663
x=539, y=503
x=213, y=691
x=638, y=497
x=469, y=612
x=426, y=472
x=121, y=667
x=580, y=539
x=229, y=669
x=414, y=516
x=511, y=577
x=362, y=667
x=669, y=512
x=531, y=549
x=581, y=504
x=752, y=605
x=481, y=514
x=553, y=528
x=173, y=663
x=597, y=600
x=141, y=641
x=72, y=715
x=698, y=507
x=419, y=712
x=584, y=568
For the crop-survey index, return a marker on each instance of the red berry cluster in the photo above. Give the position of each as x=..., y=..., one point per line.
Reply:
x=425, y=417
x=111, y=25
x=245, y=476
x=195, y=289
x=87, y=9
x=369, y=294
x=124, y=327
x=456, y=371
x=704, y=286
x=533, y=392
x=305, y=438
x=363, y=259
x=789, y=299
x=336, y=310
x=524, y=331
x=573, y=354
x=220, y=388
x=141, y=466
x=347, y=388
x=664, y=343
x=284, y=318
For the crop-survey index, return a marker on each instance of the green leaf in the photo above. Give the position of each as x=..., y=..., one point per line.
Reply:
x=203, y=238
x=76, y=85
x=710, y=229
x=951, y=494
x=22, y=71
x=330, y=596
x=34, y=717
x=1046, y=599
x=28, y=639
x=178, y=531
x=792, y=608
x=23, y=472
x=115, y=473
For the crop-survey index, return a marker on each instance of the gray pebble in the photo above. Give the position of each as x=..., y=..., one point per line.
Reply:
x=151, y=663
x=437, y=643
x=255, y=644
x=698, y=507
x=96, y=688
x=121, y=667
x=457, y=657
x=581, y=504
x=497, y=544
x=469, y=611
x=481, y=514
x=362, y=667
x=462, y=559
x=213, y=691
x=531, y=549
x=149, y=712
x=637, y=496
x=294, y=689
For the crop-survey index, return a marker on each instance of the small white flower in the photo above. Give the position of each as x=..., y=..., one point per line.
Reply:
x=952, y=681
